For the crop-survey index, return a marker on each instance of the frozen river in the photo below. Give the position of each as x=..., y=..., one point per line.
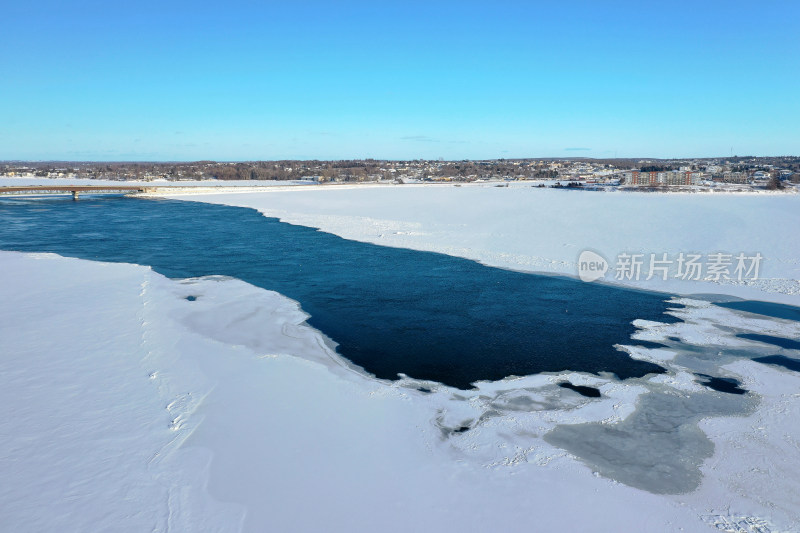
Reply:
x=391, y=311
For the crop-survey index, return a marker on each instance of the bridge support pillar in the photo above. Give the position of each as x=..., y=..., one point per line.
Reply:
x=74, y=195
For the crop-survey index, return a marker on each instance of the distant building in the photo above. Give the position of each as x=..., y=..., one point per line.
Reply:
x=761, y=175
x=671, y=177
x=734, y=177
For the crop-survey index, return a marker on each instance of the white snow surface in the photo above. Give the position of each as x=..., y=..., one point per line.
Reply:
x=127, y=407
x=523, y=227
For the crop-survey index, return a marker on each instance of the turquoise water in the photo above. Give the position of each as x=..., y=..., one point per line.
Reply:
x=426, y=315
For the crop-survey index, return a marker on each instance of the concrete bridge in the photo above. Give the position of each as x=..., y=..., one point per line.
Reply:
x=76, y=190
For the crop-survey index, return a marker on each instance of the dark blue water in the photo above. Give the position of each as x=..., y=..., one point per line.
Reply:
x=391, y=310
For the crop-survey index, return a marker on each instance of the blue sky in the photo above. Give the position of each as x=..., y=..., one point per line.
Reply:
x=331, y=80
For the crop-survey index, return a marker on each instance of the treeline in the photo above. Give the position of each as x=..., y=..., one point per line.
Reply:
x=356, y=170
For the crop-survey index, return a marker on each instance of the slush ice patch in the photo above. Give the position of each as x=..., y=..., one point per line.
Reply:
x=658, y=448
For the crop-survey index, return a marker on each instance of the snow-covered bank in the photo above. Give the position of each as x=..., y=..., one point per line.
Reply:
x=94, y=406
x=545, y=230
x=133, y=402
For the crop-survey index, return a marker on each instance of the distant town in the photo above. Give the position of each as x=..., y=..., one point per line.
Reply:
x=732, y=173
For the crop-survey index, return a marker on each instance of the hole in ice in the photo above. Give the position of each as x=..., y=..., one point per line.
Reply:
x=775, y=310
x=770, y=339
x=589, y=392
x=780, y=360
x=648, y=344
x=728, y=385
